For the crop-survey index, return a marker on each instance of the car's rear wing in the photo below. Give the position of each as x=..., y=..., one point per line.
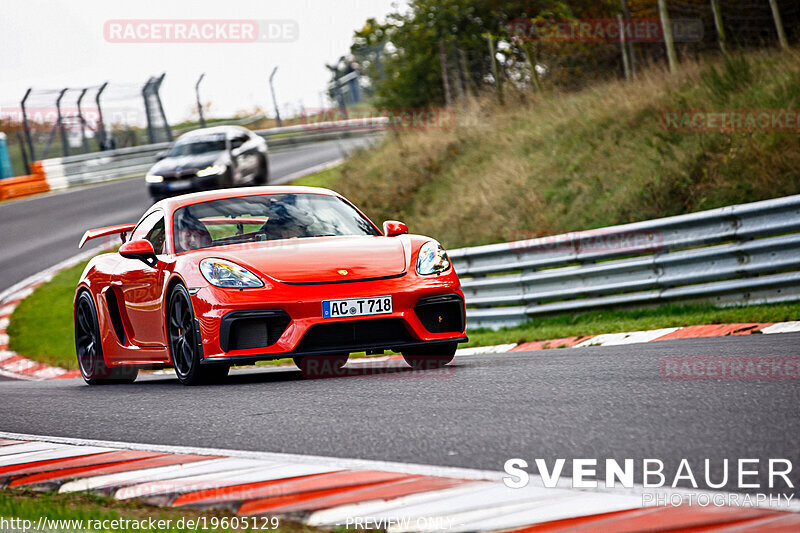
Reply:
x=104, y=232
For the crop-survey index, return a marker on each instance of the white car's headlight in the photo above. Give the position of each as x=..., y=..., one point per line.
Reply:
x=228, y=275
x=432, y=259
x=211, y=171
x=153, y=178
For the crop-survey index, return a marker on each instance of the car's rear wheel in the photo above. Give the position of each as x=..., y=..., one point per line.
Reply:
x=317, y=366
x=184, y=342
x=428, y=358
x=89, y=347
x=262, y=175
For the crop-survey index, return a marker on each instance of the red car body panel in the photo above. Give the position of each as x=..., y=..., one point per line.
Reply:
x=298, y=274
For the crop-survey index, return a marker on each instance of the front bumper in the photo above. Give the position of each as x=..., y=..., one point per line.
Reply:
x=175, y=187
x=280, y=321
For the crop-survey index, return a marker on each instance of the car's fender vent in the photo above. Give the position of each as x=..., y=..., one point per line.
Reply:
x=244, y=330
x=354, y=335
x=441, y=314
x=114, y=314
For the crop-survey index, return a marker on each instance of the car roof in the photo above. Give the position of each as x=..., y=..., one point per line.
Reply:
x=176, y=202
x=213, y=130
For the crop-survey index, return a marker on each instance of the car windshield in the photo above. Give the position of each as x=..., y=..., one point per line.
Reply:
x=266, y=218
x=198, y=146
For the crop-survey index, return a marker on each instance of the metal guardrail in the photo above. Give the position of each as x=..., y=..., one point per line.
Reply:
x=71, y=171
x=742, y=254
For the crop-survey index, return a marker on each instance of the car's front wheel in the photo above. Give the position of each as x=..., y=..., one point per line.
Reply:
x=317, y=366
x=89, y=347
x=184, y=343
x=428, y=358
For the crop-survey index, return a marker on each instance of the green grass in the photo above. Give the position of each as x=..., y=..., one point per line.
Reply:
x=559, y=162
x=41, y=326
x=325, y=178
x=30, y=505
x=598, y=322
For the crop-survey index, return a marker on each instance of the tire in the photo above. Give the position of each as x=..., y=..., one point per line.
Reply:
x=429, y=358
x=262, y=177
x=89, y=347
x=184, y=349
x=318, y=366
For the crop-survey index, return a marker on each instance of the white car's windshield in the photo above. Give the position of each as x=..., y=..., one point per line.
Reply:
x=266, y=218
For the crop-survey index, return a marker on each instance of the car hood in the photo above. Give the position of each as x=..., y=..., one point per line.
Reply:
x=324, y=259
x=188, y=162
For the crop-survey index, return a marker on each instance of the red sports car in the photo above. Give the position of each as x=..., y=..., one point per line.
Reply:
x=209, y=280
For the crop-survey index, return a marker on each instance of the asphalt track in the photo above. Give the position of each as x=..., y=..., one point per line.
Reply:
x=39, y=232
x=596, y=402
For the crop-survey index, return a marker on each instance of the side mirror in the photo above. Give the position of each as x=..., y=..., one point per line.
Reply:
x=392, y=228
x=140, y=249
x=161, y=155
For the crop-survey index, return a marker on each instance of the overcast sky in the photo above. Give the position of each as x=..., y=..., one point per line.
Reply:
x=52, y=44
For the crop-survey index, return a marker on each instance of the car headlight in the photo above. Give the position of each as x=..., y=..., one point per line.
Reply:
x=228, y=275
x=211, y=171
x=153, y=178
x=432, y=259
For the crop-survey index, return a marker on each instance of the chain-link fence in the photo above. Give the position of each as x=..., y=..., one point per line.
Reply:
x=68, y=121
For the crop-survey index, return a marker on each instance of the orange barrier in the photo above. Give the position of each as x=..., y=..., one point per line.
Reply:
x=25, y=185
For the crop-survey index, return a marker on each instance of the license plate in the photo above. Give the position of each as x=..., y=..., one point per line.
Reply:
x=179, y=185
x=374, y=305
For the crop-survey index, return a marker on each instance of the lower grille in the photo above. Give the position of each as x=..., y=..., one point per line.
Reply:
x=441, y=314
x=355, y=334
x=244, y=330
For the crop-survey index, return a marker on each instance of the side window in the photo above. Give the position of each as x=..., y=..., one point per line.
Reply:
x=238, y=140
x=157, y=236
x=151, y=229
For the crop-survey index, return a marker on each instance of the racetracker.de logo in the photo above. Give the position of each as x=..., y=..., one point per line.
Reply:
x=604, y=30
x=200, y=31
x=731, y=368
x=731, y=120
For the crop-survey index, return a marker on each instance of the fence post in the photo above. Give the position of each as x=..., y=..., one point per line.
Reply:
x=275, y=100
x=448, y=99
x=101, y=126
x=199, y=104
x=779, y=24
x=495, y=71
x=625, y=65
x=84, y=144
x=61, y=129
x=718, y=24
x=666, y=26
x=26, y=124
x=626, y=14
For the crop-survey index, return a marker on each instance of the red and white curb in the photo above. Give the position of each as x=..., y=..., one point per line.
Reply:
x=334, y=492
x=13, y=365
x=638, y=337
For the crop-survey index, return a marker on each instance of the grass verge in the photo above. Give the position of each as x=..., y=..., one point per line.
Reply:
x=81, y=508
x=41, y=327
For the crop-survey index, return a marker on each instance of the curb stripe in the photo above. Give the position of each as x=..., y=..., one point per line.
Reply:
x=70, y=468
x=318, y=491
x=286, y=486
